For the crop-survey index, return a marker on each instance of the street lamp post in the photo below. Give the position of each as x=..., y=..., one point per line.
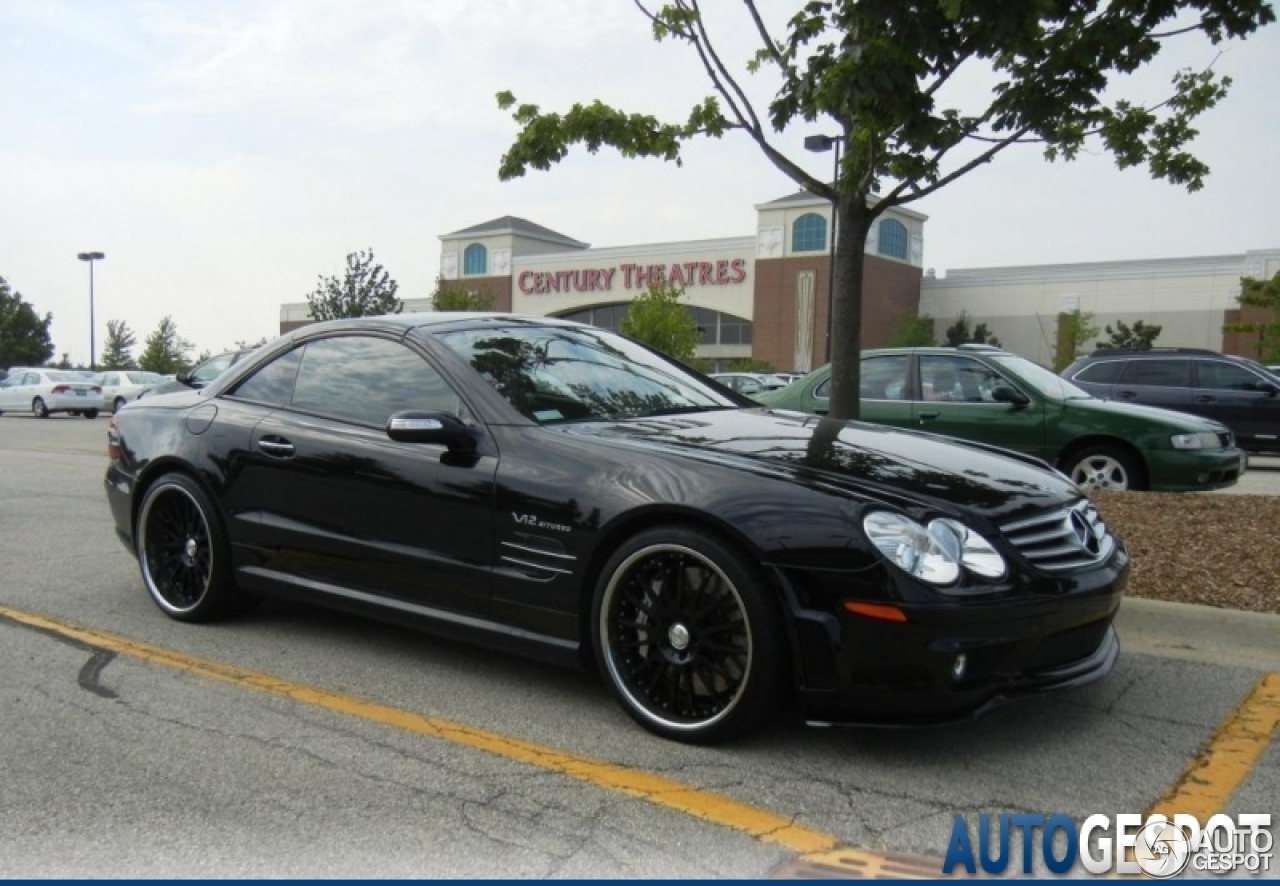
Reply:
x=91, y=257
x=820, y=144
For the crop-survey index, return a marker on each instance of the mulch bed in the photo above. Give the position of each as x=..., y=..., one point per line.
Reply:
x=1214, y=550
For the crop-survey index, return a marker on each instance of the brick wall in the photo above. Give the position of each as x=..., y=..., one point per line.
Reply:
x=890, y=292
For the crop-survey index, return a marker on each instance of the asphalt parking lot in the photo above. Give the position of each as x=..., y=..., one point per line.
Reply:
x=295, y=742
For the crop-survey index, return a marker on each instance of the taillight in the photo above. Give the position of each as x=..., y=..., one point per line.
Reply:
x=60, y=389
x=95, y=389
x=113, y=440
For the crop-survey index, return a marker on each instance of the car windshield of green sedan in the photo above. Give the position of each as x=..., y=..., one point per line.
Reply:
x=548, y=488
x=991, y=396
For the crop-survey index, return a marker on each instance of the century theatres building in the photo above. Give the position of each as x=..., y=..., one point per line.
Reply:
x=763, y=296
x=766, y=296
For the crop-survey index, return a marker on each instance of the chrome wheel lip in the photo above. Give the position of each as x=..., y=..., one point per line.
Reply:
x=1093, y=472
x=609, y=655
x=161, y=600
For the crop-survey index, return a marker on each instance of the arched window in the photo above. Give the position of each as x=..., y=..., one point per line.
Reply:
x=809, y=233
x=475, y=259
x=893, y=238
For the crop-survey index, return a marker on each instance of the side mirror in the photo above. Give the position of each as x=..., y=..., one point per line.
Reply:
x=185, y=378
x=1267, y=388
x=440, y=428
x=1006, y=394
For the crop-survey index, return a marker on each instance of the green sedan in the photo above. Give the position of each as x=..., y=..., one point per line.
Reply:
x=992, y=396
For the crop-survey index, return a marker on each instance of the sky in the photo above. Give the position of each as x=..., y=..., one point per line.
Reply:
x=224, y=155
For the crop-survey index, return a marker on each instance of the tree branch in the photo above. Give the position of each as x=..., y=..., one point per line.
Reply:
x=896, y=198
x=788, y=70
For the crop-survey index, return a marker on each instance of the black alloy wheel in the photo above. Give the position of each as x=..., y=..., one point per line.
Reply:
x=689, y=636
x=183, y=552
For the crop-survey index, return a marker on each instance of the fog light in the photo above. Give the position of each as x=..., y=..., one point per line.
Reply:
x=958, y=667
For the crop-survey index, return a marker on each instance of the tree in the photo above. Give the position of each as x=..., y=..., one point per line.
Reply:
x=877, y=71
x=1138, y=337
x=659, y=320
x=24, y=337
x=1256, y=293
x=914, y=331
x=118, y=351
x=452, y=297
x=365, y=290
x=959, y=333
x=1075, y=330
x=166, y=351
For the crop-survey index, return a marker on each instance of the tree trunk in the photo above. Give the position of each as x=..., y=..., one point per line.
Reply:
x=846, y=320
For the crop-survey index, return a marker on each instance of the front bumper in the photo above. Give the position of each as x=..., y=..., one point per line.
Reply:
x=1175, y=470
x=856, y=669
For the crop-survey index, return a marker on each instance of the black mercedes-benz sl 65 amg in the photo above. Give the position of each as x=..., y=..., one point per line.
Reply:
x=551, y=488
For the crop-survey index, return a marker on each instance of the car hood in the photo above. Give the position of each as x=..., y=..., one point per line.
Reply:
x=865, y=460
x=1181, y=421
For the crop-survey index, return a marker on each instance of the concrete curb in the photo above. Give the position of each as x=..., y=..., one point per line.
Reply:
x=1200, y=633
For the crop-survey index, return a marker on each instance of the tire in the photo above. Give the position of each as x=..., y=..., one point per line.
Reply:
x=1106, y=469
x=184, y=553
x=117, y=406
x=39, y=409
x=91, y=413
x=662, y=599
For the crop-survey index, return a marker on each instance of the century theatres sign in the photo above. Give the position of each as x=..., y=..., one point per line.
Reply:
x=723, y=272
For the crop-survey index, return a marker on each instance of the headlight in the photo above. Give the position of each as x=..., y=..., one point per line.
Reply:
x=973, y=551
x=911, y=547
x=1201, y=440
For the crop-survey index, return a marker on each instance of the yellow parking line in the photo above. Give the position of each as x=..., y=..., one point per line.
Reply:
x=1227, y=758
x=706, y=805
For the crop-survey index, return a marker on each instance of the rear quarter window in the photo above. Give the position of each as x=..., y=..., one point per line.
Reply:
x=1106, y=372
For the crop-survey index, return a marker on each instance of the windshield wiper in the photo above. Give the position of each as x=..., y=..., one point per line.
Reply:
x=683, y=410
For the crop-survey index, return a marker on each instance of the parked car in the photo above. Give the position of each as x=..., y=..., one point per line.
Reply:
x=748, y=383
x=551, y=488
x=1240, y=393
x=125, y=385
x=992, y=396
x=199, y=376
x=42, y=392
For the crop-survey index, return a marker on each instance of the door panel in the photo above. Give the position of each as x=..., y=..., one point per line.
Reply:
x=1229, y=393
x=1163, y=383
x=957, y=399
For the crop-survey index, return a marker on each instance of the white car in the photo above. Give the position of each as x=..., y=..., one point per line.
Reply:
x=121, y=386
x=43, y=392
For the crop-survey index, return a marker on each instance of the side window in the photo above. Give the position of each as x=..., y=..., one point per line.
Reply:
x=1226, y=376
x=365, y=380
x=31, y=378
x=1106, y=372
x=959, y=380
x=884, y=378
x=1157, y=373
x=823, y=391
x=273, y=383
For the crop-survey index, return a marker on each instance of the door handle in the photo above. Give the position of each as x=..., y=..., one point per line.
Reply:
x=278, y=447
x=821, y=411
x=1125, y=395
x=932, y=413
x=1206, y=399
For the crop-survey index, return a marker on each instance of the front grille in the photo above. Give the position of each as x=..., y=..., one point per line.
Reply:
x=1062, y=540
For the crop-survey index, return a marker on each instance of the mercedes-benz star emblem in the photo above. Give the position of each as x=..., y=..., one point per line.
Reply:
x=1084, y=532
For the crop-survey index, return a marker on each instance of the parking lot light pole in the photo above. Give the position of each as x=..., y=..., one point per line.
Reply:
x=820, y=144
x=91, y=257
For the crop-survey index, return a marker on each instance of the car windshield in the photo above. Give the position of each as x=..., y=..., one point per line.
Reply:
x=558, y=374
x=1043, y=380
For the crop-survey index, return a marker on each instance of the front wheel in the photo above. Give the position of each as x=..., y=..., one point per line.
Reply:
x=118, y=405
x=91, y=413
x=39, y=409
x=1105, y=469
x=689, y=635
x=183, y=552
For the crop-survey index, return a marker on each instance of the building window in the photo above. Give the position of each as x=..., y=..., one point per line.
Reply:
x=893, y=238
x=475, y=260
x=714, y=327
x=809, y=233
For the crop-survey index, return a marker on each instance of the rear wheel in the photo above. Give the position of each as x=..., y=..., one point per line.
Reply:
x=39, y=409
x=689, y=636
x=1106, y=469
x=91, y=413
x=183, y=552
